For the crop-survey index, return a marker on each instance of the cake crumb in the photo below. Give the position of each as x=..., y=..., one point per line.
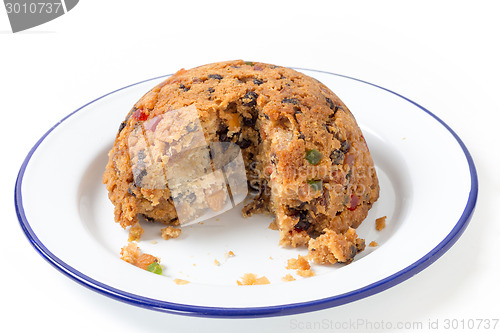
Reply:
x=250, y=279
x=305, y=272
x=301, y=265
x=373, y=244
x=132, y=254
x=180, y=281
x=170, y=232
x=273, y=225
x=228, y=254
x=288, y=278
x=135, y=232
x=216, y=262
x=380, y=223
x=154, y=242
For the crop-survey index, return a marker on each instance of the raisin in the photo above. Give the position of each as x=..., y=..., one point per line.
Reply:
x=337, y=156
x=222, y=133
x=211, y=90
x=140, y=176
x=303, y=223
x=293, y=101
x=250, y=122
x=352, y=252
x=258, y=82
x=250, y=99
x=345, y=146
x=147, y=218
x=183, y=87
x=244, y=144
x=215, y=76
x=122, y=126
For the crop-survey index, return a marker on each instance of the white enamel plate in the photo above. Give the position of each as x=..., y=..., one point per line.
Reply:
x=428, y=192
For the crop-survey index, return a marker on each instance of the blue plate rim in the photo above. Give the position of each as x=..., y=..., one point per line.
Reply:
x=268, y=311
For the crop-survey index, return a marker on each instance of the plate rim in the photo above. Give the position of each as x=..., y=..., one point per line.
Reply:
x=265, y=311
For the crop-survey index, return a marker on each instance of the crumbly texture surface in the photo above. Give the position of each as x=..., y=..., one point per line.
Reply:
x=301, y=264
x=305, y=157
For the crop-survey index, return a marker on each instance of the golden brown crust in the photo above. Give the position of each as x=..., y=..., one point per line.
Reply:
x=278, y=117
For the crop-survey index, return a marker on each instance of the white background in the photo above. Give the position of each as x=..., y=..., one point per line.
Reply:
x=442, y=54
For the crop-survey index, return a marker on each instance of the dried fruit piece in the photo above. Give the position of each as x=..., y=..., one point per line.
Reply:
x=313, y=156
x=250, y=279
x=215, y=76
x=316, y=185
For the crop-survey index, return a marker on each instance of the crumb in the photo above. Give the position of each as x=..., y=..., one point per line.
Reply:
x=201, y=223
x=194, y=264
x=332, y=247
x=135, y=232
x=273, y=225
x=250, y=279
x=216, y=262
x=288, y=278
x=270, y=258
x=228, y=254
x=217, y=220
x=132, y=254
x=170, y=232
x=305, y=272
x=154, y=242
x=380, y=223
x=301, y=265
x=373, y=244
x=180, y=281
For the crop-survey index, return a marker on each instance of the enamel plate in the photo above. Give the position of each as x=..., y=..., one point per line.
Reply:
x=428, y=190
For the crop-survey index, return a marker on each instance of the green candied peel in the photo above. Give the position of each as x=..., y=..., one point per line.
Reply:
x=313, y=156
x=155, y=268
x=315, y=184
x=249, y=63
